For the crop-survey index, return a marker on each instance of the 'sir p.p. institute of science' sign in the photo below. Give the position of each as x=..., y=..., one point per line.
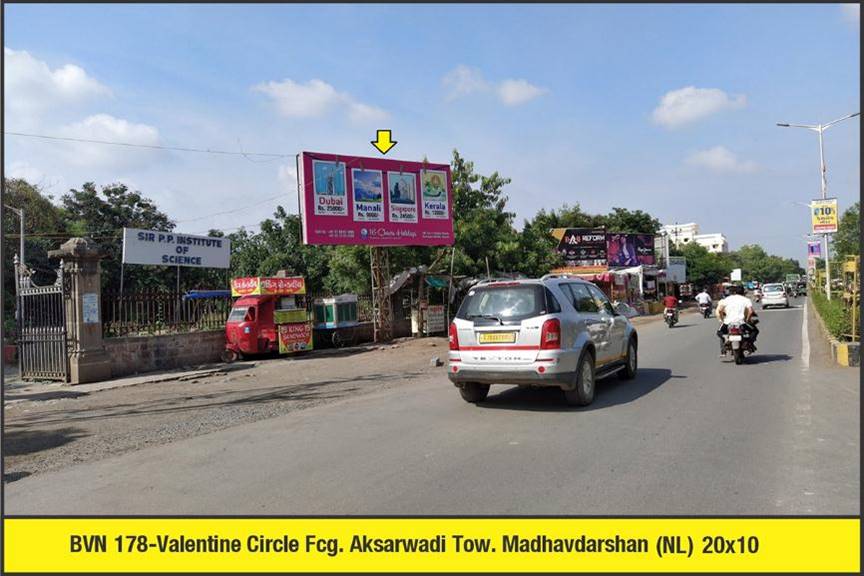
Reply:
x=160, y=248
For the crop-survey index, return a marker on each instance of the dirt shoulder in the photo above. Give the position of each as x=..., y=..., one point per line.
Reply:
x=71, y=426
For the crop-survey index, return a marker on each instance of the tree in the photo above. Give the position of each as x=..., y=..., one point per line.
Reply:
x=102, y=216
x=44, y=229
x=703, y=267
x=846, y=242
x=484, y=229
x=537, y=245
x=629, y=222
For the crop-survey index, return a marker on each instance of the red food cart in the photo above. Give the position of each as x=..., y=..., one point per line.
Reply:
x=269, y=315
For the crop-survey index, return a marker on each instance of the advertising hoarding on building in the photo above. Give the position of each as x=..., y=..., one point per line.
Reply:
x=824, y=216
x=160, y=248
x=630, y=249
x=374, y=201
x=581, y=247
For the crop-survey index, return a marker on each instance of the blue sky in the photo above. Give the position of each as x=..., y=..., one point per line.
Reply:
x=669, y=108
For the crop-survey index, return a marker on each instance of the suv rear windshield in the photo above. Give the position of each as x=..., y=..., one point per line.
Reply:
x=512, y=302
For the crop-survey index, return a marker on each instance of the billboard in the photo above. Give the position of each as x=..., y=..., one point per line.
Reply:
x=268, y=285
x=814, y=250
x=160, y=248
x=582, y=246
x=374, y=201
x=630, y=249
x=823, y=215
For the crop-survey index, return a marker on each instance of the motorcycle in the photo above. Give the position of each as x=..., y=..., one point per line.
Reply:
x=705, y=309
x=670, y=316
x=738, y=340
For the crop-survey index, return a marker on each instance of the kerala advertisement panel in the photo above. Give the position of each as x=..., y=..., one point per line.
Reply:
x=276, y=286
x=374, y=201
x=161, y=248
x=295, y=337
x=824, y=216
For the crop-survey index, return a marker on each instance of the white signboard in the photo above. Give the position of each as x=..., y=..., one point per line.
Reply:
x=172, y=249
x=736, y=275
x=435, y=320
x=676, y=269
x=90, y=306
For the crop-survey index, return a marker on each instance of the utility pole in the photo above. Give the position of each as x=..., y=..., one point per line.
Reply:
x=820, y=129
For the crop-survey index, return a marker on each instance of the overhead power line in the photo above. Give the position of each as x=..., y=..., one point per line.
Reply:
x=149, y=146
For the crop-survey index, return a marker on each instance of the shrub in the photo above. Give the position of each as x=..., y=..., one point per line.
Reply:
x=834, y=314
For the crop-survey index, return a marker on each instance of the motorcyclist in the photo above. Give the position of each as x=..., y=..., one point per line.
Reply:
x=671, y=301
x=735, y=309
x=703, y=297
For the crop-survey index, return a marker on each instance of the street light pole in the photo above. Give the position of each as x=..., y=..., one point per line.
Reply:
x=820, y=129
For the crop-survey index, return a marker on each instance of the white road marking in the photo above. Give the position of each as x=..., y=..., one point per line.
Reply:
x=805, y=340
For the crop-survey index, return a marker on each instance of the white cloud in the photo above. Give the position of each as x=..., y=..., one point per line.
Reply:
x=108, y=128
x=689, y=104
x=515, y=92
x=25, y=171
x=287, y=176
x=721, y=159
x=463, y=81
x=32, y=86
x=852, y=13
x=316, y=98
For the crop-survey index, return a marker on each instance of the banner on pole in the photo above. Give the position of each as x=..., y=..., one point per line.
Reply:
x=824, y=216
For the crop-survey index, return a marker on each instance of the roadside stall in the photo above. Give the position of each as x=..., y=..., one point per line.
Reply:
x=336, y=319
x=269, y=316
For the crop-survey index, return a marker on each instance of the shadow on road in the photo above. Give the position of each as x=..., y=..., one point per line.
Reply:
x=765, y=358
x=42, y=396
x=19, y=442
x=610, y=392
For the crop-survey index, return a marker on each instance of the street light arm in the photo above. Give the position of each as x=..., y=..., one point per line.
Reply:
x=786, y=125
x=840, y=120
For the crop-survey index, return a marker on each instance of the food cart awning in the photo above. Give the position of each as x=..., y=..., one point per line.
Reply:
x=437, y=281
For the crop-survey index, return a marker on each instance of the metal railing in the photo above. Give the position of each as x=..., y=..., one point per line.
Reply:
x=154, y=313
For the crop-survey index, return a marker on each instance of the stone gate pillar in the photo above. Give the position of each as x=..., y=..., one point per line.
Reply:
x=88, y=361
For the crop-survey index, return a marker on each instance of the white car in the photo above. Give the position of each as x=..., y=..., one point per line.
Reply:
x=557, y=331
x=774, y=295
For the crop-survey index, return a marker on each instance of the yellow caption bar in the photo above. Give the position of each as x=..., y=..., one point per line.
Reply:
x=431, y=545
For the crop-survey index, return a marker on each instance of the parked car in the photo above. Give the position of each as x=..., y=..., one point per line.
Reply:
x=556, y=331
x=774, y=295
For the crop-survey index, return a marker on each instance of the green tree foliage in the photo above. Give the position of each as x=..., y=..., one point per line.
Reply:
x=102, y=215
x=44, y=230
x=756, y=264
x=628, y=221
x=703, y=267
x=536, y=244
x=847, y=240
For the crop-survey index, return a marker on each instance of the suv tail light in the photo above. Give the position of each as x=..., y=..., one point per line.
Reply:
x=454, y=337
x=550, y=335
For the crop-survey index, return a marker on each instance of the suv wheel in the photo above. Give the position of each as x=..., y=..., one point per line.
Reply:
x=583, y=393
x=630, y=362
x=474, y=391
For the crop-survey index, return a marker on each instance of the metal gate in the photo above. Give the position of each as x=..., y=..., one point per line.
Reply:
x=41, y=317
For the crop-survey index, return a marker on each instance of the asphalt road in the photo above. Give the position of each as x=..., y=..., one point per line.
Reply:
x=691, y=435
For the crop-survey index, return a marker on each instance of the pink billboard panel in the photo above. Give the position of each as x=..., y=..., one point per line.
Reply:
x=375, y=201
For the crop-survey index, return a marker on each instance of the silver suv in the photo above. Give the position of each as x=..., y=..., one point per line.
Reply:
x=557, y=331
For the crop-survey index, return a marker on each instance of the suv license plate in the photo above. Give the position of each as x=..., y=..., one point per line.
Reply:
x=496, y=337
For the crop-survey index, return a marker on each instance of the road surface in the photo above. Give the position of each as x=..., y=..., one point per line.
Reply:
x=691, y=435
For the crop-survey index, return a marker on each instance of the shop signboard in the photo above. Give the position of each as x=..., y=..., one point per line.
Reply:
x=161, y=248
x=295, y=337
x=374, y=201
x=263, y=285
x=824, y=216
x=435, y=319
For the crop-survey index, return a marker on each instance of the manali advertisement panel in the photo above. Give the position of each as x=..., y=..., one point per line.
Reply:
x=374, y=201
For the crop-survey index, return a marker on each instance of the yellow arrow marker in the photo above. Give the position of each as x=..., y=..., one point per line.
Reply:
x=383, y=142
